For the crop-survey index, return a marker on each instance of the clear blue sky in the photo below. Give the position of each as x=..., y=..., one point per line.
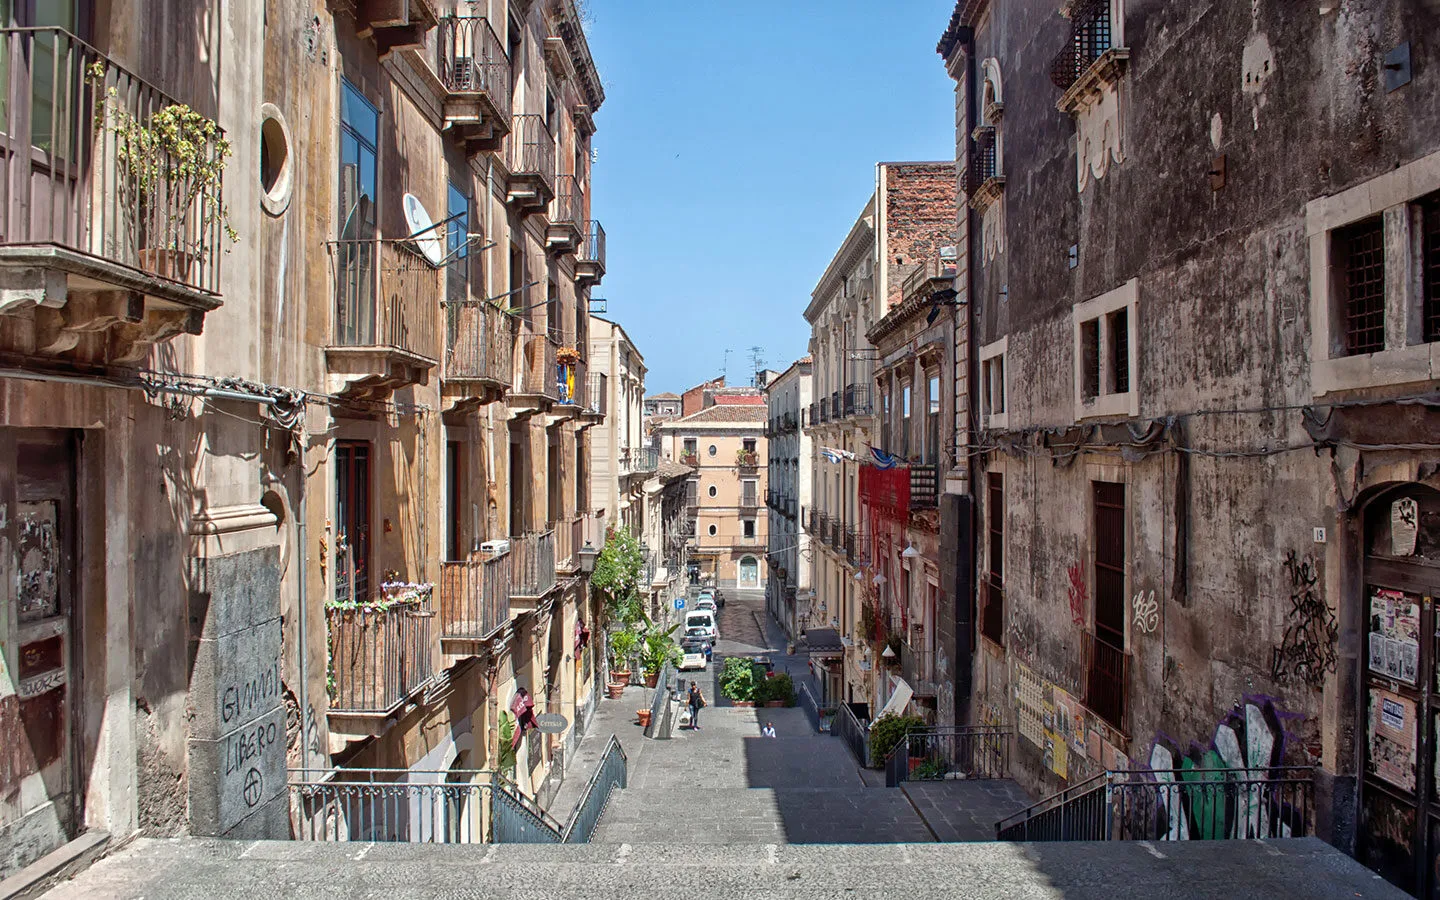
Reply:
x=736, y=146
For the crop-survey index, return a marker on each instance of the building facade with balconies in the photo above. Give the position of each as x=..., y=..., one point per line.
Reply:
x=788, y=589
x=620, y=459
x=726, y=446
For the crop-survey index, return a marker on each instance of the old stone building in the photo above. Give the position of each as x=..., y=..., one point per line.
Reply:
x=725, y=444
x=620, y=462
x=904, y=224
x=300, y=479
x=1202, y=433
x=787, y=592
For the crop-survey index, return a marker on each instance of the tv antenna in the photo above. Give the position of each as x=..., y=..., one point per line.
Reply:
x=757, y=364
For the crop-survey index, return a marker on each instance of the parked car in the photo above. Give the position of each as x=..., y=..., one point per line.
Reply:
x=693, y=659
x=705, y=603
x=701, y=622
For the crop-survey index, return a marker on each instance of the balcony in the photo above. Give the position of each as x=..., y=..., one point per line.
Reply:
x=538, y=373
x=924, y=487
x=474, y=598
x=394, y=24
x=479, y=352
x=590, y=262
x=898, y=491
x=749, y=501
x=689, y=458
x=380, y=654
x=475, y=74
x=1107, y=680
x=531, y=159
x=856, y=400
x=639, y=460
x=837, y=407
x=575, y=534
x=747, y=459
x=567, y=216
x=917, y=667
x=106, y=248
x=532, y=565
x=387, y=299
x=984, y=184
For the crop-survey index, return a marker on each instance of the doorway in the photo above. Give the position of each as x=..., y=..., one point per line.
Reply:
x=1400, y=703
x=39, y=719
x=749, y=572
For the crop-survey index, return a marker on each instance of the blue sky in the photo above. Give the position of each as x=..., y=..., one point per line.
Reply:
x=735, y=148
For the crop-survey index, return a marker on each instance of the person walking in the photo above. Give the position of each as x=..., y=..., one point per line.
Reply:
x=697, y=702
x=768, y=730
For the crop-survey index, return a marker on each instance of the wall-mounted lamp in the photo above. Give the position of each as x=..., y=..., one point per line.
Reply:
x=910, y=552
x=587, y=558
x=888, y=653
x=878, y=579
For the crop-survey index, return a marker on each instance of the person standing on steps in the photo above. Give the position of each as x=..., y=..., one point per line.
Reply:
x=696, y=701
x=768, y=730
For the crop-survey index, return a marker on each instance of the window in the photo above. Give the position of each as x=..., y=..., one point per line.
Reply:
x=689, y=445
x=1375, y=280
x=905, y=419
x=713, y=531
x=1105, y=373
x=352, y=518
x=457, y=244
x=1359, y=255
x=932, y=420
x=992, y=615
x=355, y=294
x=749, y=445
x=713, y=450
x=748, y=493
x=712, y=491
x=1107, y=665
x=749, y=526
x=993, y=386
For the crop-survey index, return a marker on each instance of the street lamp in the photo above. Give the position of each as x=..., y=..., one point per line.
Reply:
x=587, y=558
x=888, y=653
x=910, y=552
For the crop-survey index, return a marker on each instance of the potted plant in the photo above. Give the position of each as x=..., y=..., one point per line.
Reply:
x=887, y=731
x=776, y=691
x=642, y=718
x=658, y=649
x=623, y=644
x=738, y=680
x=171, y=165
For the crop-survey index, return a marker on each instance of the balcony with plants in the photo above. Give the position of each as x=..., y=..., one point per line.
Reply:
x=381, y=649
x=115, y=223
x=473, y=72
x=747, y=459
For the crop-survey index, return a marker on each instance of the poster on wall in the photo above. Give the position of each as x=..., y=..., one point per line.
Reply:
x=1390, y=738
x=1404, y=526
x=1394, y=634
x=1029, y=698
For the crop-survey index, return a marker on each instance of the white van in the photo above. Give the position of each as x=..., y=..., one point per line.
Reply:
x=702, y=619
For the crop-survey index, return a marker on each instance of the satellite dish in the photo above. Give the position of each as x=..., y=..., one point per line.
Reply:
x=423, y=230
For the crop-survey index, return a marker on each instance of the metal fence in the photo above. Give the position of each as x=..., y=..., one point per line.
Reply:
x=379, y=656
x=532, y=557
x=472, y=60
x=942, y=753
x=74, y=174
x=854, y=732
x=474, y=597
x=532, y=149
x=540, y=375
x=429, y=807
x=386, y=295
x=516, y=819
x=594, y=249
x=568, y=207
x=479, y=342
x=821, y=723
x=1173, y=805
x=611, y=773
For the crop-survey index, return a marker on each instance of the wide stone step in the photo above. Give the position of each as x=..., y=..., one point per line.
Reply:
x=194, y=869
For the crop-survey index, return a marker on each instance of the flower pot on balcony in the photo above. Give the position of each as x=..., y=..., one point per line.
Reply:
x=171, y=264
x=643, y=718
x=615, y=690
x=652, y=679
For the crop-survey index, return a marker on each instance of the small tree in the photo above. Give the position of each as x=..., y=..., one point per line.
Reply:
x=617, y=576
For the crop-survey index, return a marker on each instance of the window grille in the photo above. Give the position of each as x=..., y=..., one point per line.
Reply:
x=1120, y=349
x=1430, y=264
x=1360, y=252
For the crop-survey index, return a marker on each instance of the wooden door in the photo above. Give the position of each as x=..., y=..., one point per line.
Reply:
x=39, y=796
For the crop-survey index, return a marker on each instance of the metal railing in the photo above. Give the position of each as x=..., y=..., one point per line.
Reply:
x=379, y=656
x=941, y=753
x=612, y=772
x=639, y=459
x=1107, y=680
x=540, y=375
x=924, y=487
x=593, y=250
x=821, y=723
x=917, y=667
x=1090, y=37
x=571, y=535
x=479, y=342
x=405, y=805
x=472, y=60
x=857, y=400
x=747, y=459
x=568, y=207
x=532, y=149
x=981, y=167
x=474, y=597
x=516, y=819
x=1173, y=805
x=77, y=173
x=532, y=558
x=386, y=295
x=855, y=733
x=597, y=396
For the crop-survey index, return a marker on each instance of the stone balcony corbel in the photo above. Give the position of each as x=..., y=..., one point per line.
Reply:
x=1101, y=75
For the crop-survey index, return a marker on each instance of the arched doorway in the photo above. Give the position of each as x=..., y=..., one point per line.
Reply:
x=749, y=572
x=1400, y=703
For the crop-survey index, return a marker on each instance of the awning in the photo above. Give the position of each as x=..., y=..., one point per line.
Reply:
x=820, y=641
x=898, y=700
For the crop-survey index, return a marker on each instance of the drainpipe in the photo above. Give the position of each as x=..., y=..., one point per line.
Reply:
x=304, y=613
x=972, y=378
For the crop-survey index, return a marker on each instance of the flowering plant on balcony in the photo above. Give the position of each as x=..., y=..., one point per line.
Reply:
x=567, y=355
x=690, y=458
x=745, y=457
x=393, y=593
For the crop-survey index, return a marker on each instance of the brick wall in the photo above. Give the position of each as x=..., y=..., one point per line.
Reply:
x=919, y=217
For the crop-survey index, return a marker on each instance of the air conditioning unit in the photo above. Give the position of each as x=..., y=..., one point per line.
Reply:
x=464, y=73
x=495, y=548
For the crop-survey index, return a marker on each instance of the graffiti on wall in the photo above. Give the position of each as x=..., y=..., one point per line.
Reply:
x=1077, y=594
x=1307, y=652
x=1147, y=612
x=1231, y=788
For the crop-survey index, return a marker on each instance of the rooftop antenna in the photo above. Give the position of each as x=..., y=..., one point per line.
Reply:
x=757, y=364
x=725, y=364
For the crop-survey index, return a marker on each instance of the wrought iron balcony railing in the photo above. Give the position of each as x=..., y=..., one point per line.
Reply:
x=380, y=654
x=924, y=487
x=590, y=262
x=917, y=667
x=78, y=178
x=982, y=166
x=532, y=150
x=386, y=295
x=568, y=207
x=479, y=342
x=1090, y=37
x=532, y=560
x=473, y=61
x=474, y=597
x=539, y=375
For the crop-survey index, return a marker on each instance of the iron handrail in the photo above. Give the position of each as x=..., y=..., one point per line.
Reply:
x=614, y=768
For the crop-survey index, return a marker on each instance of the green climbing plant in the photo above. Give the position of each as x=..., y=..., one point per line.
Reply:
x=617, y=577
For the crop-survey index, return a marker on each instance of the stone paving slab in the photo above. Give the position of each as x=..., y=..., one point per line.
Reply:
x=196, y=869
x=965, y=810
